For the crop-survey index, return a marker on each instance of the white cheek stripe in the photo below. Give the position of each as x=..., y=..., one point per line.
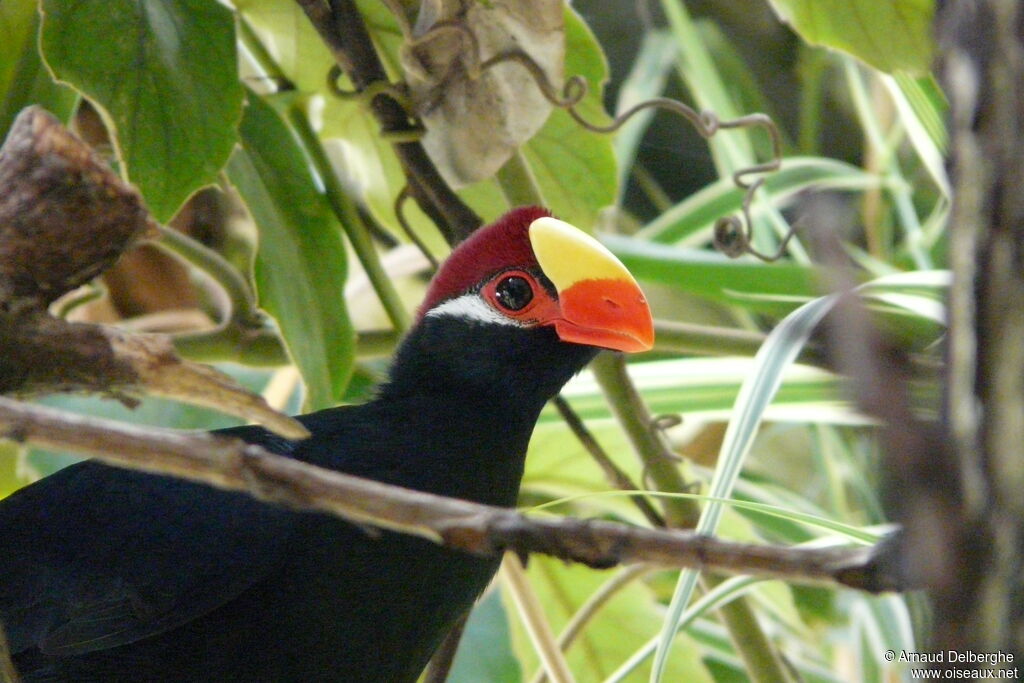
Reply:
x=471, y=307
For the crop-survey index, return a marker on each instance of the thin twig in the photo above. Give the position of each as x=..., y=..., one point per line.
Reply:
x=409, y=232
x=514, y=575
x=592, y=606
x=241, y=298
x=441, y=662
x=480, y=529
x=351, y=222
x=616, y=477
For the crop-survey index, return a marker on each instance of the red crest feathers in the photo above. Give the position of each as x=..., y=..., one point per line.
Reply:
x=503, y=244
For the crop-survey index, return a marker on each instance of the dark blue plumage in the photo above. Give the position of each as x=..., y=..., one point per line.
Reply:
x=139, y=577
x=111, y=575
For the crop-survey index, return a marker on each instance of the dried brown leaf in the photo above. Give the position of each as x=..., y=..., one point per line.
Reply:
x=475, y=120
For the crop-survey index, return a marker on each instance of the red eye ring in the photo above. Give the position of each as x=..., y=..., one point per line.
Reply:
x=512, y=292
x=541, y=308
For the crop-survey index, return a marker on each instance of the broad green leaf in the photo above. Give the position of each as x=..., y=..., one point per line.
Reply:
x=300, y=263
x=23, y=78
x=18, y=27
x=575, y=168
x=890, y=35
x=164, y=74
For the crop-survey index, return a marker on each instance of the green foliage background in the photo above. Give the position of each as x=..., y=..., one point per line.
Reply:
x=182, y=86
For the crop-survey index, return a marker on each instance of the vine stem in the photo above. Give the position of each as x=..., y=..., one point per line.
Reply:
x=240, y=296
x=351, y=221
x=340, y=203
x=343, y=30
x=592, y=606
x=514, y=575
x=636, y=421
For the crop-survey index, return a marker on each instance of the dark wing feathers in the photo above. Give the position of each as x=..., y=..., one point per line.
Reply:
x=67, y=591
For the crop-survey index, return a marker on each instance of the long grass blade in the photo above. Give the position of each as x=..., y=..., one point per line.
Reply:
x=779, y=350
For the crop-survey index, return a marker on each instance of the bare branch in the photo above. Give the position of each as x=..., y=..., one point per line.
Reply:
x=441, y=662
x=480, y=529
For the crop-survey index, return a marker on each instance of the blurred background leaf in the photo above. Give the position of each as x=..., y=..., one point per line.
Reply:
x=890, y=36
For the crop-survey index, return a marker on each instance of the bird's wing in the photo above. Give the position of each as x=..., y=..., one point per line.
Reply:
x=94, y=557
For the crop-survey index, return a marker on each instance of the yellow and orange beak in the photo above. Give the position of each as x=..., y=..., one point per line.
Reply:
x=601, y=304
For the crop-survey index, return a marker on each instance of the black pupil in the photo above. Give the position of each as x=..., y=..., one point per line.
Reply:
x=514, y=293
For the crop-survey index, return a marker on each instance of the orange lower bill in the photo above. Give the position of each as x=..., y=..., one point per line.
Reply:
x=610, y=313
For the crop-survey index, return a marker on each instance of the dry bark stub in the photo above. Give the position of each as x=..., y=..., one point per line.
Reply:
x=65, y=216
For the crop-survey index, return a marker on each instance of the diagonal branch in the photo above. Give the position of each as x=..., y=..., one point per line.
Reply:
x=343, y=30
x=479, y=529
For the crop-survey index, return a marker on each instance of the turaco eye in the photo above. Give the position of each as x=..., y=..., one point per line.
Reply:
x=513, y=292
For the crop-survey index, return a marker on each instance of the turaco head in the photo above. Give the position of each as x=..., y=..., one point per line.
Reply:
x=519, y=307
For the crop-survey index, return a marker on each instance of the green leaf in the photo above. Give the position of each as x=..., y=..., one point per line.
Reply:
x=23, y=78
x=164, y=74
x=892, y=35
x=575, y=168
x=694, y=217
x=776, y=354
x=646, y=79
x=17, y=25
x=715, y=276
x=485, y=652
x=300, y=263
